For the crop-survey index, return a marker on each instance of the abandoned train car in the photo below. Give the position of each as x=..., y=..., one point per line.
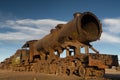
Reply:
x=43, y=56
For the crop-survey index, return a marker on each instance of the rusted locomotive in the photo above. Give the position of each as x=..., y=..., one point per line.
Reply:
x=43, y=56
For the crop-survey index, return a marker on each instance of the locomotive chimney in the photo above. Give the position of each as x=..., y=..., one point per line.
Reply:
x=77, y=14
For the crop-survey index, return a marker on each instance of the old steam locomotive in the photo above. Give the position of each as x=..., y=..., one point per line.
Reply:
x=43, y=56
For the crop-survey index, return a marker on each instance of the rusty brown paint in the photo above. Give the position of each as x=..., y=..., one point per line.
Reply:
x=76, y=34
x=85, y=28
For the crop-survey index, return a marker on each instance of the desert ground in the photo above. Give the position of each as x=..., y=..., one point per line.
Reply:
x=9, y=75
x=112, y=74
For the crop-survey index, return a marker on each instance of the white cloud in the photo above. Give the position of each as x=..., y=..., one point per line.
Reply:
x=106, y=37
x=13, y=36
x=111, y=30
x=27, y=29
x=43, y=22
x=112, y=25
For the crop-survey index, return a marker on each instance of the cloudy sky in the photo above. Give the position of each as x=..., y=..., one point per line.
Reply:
x=23, y=20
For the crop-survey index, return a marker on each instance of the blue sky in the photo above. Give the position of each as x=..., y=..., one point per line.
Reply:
x=23, y=20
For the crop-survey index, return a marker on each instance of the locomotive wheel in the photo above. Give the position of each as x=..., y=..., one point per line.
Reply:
x=68, y=72
x=82, y=71
x=100, y=73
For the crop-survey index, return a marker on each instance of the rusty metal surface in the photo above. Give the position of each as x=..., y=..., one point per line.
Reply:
x=85, y=28
x=39, y=55
x=103, y=60
x=32, y=50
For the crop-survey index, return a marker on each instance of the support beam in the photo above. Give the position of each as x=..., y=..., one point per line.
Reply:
x=51, y=53
x=42, y=56
x=86, y=49
x=67, y=51
x=77, y=50
x=94, y=49
x=59, y=52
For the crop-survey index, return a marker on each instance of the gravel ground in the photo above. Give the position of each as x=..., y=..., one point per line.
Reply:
x=8, y=75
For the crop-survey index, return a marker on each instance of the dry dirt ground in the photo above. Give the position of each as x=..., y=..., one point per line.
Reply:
x=112, y=74
x=8, y=75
